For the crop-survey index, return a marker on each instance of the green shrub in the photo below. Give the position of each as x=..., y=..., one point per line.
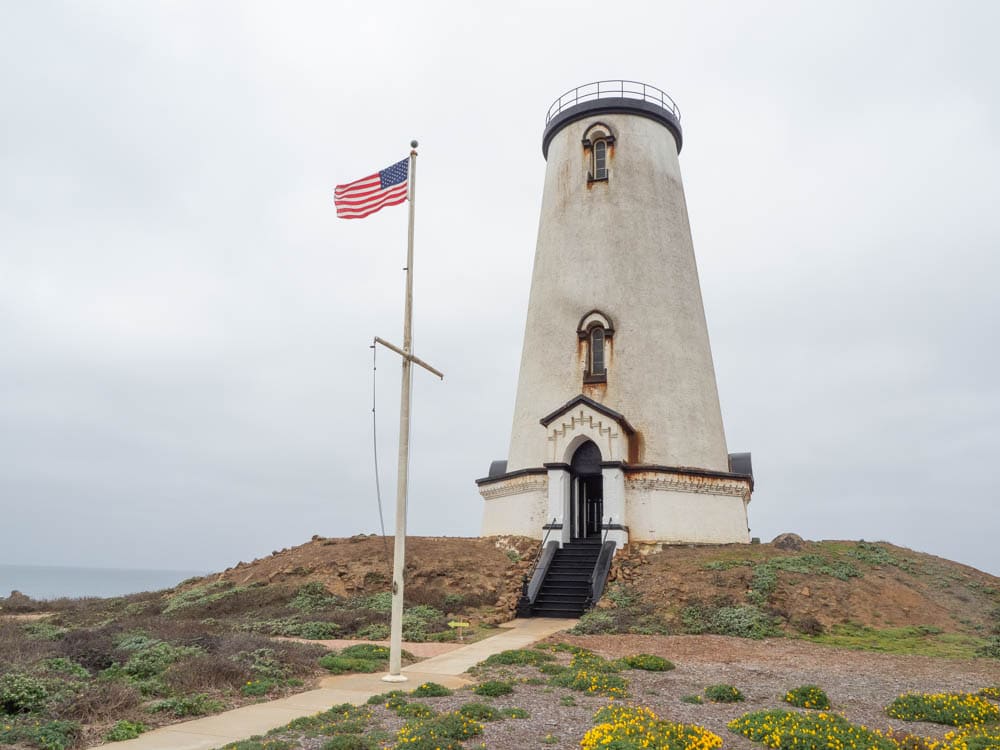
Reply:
x=519, y=656
x=204, y=594
x=595, y=622
x=990, y=649
x=415, y=711
x=66, y=667
x=311, y=597
x=741, y=621
x=553, y=668
x=723, y=694
x=808, y=696
x=479, y=712
x=124, y=730
x=343, y=664
x=515, y=713
x=793, y=730
x=991, y=692
x=444, y=732
x=135, y=640
x=648, y=662
x=955, y=709
x=44, y=631
x=369, y=651
x=255, y=743
x=21, y=693
x=430, y=690
x=188, y=705
x=635, y=727
x=378, y=700
x=377, y=631
x=381, y=602
x=697, y=699
x=152, y=660
x=258, y=687
x=49, y=735
x=314, y=630
x=493, y=688
x=350, y=742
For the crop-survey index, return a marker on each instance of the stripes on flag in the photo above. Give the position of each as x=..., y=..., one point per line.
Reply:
x=358, y=199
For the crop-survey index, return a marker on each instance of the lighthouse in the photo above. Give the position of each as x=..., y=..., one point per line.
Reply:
x=617, y=431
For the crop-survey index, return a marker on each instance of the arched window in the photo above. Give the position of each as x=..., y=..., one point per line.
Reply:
x=596, y=350
x=598, y=147
x=595, y=331
x=600, y=166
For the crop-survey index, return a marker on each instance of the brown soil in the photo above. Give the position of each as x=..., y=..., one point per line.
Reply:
x=917, y=589
x=859, y=684
x=486, y=570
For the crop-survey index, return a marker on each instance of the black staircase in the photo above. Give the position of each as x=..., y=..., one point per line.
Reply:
x=566, y=590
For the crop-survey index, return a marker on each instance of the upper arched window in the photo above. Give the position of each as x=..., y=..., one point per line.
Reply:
x=598, y=147
x=595, y=331
x=596, y=358
x=600, y=165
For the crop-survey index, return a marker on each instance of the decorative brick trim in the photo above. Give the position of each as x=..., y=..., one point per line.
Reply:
x=691, y=483
x=516, y=485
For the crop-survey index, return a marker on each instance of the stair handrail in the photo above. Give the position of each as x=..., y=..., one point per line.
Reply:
x=524, y=604
x=548, y=530
x=599, y=575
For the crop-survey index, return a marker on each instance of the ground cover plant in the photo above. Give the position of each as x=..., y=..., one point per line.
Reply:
x=808, y=696
x=924, y=640
x=954, y=709
x=723, y=693
x=791, y=730
x=628, y=727
x=104, y=669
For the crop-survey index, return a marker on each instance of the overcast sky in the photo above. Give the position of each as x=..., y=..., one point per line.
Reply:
x=185, y=372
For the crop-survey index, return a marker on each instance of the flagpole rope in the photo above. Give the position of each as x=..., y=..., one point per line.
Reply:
x=378, y=486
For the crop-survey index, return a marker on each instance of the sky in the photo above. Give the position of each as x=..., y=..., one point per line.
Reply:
x=185, y=372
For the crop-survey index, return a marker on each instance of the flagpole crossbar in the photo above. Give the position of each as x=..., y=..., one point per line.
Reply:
x=411, y=357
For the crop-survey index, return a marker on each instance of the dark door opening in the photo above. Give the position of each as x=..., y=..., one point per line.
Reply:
x=587, y=500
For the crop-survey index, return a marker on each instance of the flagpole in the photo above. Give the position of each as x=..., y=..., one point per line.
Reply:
x=399, y=551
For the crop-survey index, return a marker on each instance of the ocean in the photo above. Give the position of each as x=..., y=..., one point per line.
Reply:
x=52, y=582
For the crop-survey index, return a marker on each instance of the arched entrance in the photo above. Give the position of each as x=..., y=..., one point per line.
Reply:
x=586, y=492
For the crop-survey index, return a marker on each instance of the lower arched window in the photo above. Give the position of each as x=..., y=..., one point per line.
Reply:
x=595, y=332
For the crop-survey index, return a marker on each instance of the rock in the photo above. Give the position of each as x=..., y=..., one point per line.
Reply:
x=16, y=598
x=788, y=541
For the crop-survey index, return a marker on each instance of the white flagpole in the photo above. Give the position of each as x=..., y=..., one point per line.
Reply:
x=399, y=551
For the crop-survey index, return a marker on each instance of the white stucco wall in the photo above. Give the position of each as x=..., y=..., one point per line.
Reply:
x=516, y=506
x=623, y=247
x=666, y=515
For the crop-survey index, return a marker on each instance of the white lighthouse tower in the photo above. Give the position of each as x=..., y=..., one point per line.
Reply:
x=617, y=427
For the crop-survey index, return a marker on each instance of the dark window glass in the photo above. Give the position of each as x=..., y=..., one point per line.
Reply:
x=600, y=160
x=597, y=351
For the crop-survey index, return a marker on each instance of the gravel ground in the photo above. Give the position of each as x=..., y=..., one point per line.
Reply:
x=860, y=684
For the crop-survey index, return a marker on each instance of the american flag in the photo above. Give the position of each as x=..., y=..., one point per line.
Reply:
x=358, y=199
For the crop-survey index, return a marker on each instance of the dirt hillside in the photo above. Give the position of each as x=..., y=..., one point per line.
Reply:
x=804, y=587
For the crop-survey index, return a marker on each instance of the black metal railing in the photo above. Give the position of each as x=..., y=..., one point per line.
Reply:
x=524, y=604
x=599, y=576
x=618, y=89
x=538, y=555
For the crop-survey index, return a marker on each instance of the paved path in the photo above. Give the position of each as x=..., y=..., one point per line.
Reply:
x=447, y=669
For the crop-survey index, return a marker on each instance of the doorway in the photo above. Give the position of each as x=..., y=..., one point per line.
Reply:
x=587, y=492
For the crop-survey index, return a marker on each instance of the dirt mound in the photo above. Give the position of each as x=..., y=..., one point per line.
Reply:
x=811, y=586
x=804, y=588
x=484, y=570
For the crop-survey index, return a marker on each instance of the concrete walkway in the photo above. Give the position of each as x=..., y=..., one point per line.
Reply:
x=239, y=724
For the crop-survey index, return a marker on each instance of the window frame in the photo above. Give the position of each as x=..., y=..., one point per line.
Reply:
x=587, y=331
